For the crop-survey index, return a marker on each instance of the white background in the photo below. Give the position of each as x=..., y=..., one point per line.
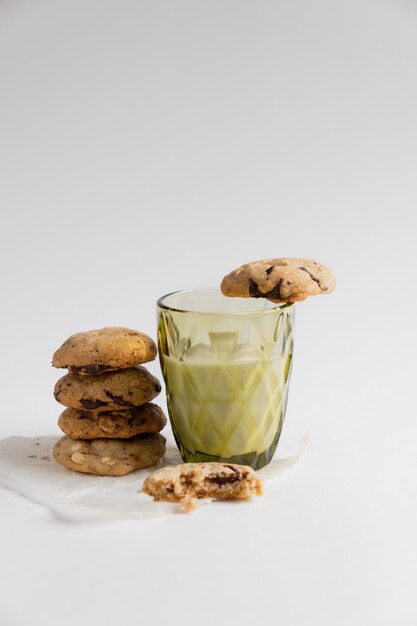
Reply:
x=151, y=146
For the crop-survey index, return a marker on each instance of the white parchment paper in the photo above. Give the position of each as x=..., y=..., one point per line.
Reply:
x=27, y=466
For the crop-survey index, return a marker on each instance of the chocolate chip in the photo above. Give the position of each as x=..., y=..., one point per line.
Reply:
x=274, y=293
x=136, y=421
x=254, y=290
x=118, y=399
x=90, y=405
x=316, y=280
x=187, y=480
x=226, y=478
x=223, y=480
x=269, y=270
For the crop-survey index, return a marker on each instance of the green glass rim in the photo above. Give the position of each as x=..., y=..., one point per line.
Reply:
x=270, y=309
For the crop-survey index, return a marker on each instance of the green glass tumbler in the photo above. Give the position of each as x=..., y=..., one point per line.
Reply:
x=226, y=364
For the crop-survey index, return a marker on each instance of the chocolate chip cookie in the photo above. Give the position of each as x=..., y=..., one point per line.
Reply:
x=110, y=391
x=107, y=349
x=148, y=418
x=184, y=483
x=109, y=457
x=279, y=280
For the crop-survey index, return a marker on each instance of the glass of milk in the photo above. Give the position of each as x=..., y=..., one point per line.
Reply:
x=226, y=363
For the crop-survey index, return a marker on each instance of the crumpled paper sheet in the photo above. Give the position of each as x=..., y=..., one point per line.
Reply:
x=28, y=467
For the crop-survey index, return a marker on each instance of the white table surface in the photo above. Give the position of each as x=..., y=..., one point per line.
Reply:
x=148, y=147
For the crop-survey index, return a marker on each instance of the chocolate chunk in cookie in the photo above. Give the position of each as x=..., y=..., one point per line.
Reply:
x=109, y=457
x=279, y=280
x=107, y=349
x=148, y=418
x=111, y=391
x=184, y=483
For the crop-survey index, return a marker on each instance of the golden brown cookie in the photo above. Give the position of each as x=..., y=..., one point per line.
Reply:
x=184, y=483
x=279, y=280
x=110, y=391
x=148, y=418
x=106, y=349
x=109, y=457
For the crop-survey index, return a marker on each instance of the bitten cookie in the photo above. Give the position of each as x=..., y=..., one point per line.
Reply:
x=184, y=483
x=148, y=418
x=107, y=392
x=109, y=457
x=279, y=280
x=97, y=351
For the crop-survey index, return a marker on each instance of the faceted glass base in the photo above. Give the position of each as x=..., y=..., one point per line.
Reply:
x=256, y=460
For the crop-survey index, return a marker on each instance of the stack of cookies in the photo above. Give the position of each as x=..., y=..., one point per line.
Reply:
x=111, y=426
